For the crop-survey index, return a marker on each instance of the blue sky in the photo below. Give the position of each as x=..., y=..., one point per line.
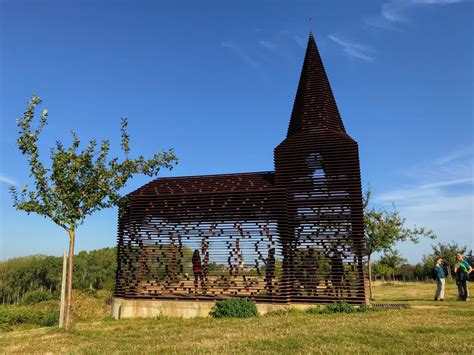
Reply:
x=216, y=80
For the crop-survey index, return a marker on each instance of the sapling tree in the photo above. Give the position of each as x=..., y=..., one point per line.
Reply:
x=76, y=183
x=383, y=229
x=392, y=259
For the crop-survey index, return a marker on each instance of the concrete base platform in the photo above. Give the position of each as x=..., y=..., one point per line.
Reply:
x=133, y=308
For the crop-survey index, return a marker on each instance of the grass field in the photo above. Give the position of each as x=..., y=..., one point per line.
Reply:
x=426, y=327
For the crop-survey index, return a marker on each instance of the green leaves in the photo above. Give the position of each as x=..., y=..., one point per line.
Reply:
x=78, y=182
x=125, y=137
x=392, y=259
x=383, y=229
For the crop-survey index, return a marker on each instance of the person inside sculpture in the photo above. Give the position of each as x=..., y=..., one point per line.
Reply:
x=337, y=270
x=310, y=266
x=438, y=276
x=462, y=269
x=197, y=269
x=269, y=270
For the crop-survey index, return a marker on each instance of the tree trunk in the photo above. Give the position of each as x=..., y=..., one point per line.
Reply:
x=67, y=322
x=63, y=292
x=370, y=277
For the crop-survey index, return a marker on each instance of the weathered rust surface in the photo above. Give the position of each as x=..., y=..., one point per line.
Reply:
x=292, y=235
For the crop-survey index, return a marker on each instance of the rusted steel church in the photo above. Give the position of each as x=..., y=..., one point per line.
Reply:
x=293, y=235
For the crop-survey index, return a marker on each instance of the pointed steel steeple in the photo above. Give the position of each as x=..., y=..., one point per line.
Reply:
x=315, y=108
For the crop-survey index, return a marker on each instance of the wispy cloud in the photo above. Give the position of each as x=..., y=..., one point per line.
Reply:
x=455, y=167
x=7, y=180
x=354, y=49
x=398, y=11
x=436, y=1
x=439, y=195
x=300, y=41
x=239, y=52
x=445, y=183
x=454, y=155
x=268, y=45
x=294, y=37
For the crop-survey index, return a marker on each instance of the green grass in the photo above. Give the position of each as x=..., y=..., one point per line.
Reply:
x=426, y=327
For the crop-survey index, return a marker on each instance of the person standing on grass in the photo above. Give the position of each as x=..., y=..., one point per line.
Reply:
x=438, y=275
x=197, y=269
x=462, y=269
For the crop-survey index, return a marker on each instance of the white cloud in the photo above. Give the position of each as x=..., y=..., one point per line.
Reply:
x=7, y=180
x=394, y=11
x=439, y=196
x=429, y=179
x=452, y=168
x=448, y=183
x=398, y=11
x=435, y=1
x=300, y=41
x=268, y=45
x=237, y=50
x=457, y=154
x=354, y=49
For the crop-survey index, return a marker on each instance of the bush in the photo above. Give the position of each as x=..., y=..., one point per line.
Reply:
x=285, y=312
x=88, y=307
x=363, y=308
x=237, y=307
x=338, y=307
x=17, y=315
x=33, y=297
x=314, y=310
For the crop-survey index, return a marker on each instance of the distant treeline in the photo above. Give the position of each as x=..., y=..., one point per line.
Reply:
x=92, y=270
x=423, y=271
x=95, y=270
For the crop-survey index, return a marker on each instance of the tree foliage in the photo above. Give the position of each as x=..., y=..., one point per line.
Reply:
x=383, y=229
x=392, y=259
x=19, y=276
x=78, y=182
x=447, y=252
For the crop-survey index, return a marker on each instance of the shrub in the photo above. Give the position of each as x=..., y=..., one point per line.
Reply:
x=363, y=308
x=314, y=310
x=16, y=315
x=237, y=307
x=33, y=297
x=284, y=312
x=88, y=307
x=338, y=307
x=108, y=319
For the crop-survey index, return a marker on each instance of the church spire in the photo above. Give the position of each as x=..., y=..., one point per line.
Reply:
x=315, y=107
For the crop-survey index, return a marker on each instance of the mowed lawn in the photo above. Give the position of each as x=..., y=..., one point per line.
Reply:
x=427, y=327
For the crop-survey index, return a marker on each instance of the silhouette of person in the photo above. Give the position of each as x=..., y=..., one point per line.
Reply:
x=310, y=266
x=269, y=270
x=337, y=271
x=197, y=269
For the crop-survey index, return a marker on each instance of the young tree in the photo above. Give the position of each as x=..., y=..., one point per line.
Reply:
x=381, y=270
x=383, y=229
x=392, y=259
x=77, y=183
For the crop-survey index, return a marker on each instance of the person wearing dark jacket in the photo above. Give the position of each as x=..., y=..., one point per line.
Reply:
x=438, y=275
x=462, y=269
x=197, y=269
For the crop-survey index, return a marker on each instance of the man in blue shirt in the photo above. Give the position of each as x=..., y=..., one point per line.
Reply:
x=440, y=280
